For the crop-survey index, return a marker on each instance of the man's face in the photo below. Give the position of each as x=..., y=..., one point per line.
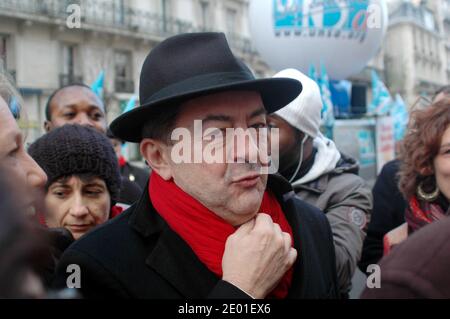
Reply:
x=77, y=203
x=232, y=190
x=77, y=105
x=289, y=141
x=23, y=171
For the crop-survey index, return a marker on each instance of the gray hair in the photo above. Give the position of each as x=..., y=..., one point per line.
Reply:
x=160, y=124
x=9, y=93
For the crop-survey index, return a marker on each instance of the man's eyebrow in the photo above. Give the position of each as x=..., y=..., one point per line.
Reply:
x=258, y=112
x=226, y=118
x=91, y=180
x=90, y=106
x=61, y=183
x=94, y=184
x=96, y=107
x=218, y=118
x=71, y=106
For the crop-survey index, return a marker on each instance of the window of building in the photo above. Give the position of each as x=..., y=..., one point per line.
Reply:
x=123, y=72
x=429, y=20
x=70, y=72
x=46, y=7
x=7, y=59
x=430, y=45
x=165, y=13
x=119, y=11
x=4, y=49
x=231, y=20
x=422, y=42
x=204, y=11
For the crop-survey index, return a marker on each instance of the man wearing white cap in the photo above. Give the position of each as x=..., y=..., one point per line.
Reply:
x=322, y=176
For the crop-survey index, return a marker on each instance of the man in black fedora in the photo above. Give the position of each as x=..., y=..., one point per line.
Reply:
x=206, y=229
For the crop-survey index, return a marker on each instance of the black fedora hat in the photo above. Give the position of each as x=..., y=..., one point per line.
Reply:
x=189, y=65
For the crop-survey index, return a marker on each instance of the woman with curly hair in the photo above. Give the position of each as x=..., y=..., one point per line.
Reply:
x=425, y=170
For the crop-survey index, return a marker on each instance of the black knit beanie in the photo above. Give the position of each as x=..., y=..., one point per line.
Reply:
x=75, y=150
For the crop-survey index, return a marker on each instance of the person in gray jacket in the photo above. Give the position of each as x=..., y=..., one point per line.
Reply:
x=322, y=176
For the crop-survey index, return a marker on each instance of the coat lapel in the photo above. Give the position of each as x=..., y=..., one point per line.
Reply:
x=171, y=257
x=175, y=261
x=284, y=192
x=299, y=278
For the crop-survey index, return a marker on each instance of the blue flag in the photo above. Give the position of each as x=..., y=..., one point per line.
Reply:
x=381, y=98
x=399, y=113
x=340, y=96
x=313, y=73
x=130, y=105
x=97, y=86
x=327, y=110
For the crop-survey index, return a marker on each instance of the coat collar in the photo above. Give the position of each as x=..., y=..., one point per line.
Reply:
x=346, y=164
x=318, y=185
x=170, y=257
x=175, y=261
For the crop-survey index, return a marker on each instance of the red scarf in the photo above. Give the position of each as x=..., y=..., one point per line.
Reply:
x=204, y=231
x=421, y=213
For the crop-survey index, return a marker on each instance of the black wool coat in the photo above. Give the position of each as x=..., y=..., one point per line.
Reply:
x=137, y=255
x=135, y=174
x=388, y=213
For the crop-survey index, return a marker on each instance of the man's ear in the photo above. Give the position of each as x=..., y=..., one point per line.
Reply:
x=47, y=126
x=156, y=154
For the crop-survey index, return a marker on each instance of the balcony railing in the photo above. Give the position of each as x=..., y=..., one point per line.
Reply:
x=103, y=14
x=66, y=79
x=124, y=85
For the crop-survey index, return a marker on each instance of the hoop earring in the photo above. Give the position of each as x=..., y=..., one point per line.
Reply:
x=429, y=197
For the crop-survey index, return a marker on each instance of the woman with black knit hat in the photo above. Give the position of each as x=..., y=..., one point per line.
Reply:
x=83, y=178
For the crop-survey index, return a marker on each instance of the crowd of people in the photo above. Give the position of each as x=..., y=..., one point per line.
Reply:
x=222, y=229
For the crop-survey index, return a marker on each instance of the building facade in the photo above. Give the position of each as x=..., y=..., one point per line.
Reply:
x=417, y=48
x=43, y=51
x=43, y=47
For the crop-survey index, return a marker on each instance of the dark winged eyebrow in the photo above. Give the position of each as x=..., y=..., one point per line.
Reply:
x=92, y=107
x=68, y=106
x=94, y=184
x=261, y=111
x=217, y=118
x=226, y=118
x=60, y=184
